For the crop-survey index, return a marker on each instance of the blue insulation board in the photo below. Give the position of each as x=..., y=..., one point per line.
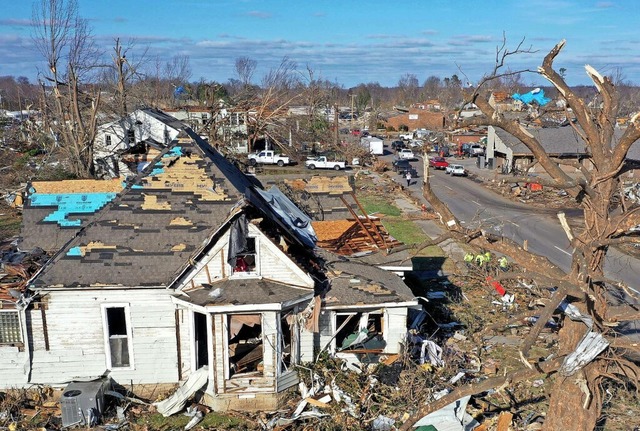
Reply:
x=71, y=203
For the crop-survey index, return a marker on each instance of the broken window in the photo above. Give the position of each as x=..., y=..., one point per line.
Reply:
x=118, y=336
x=10, y=332
x=288, y=341
x=356, y=331
x=131, y=136
x=107, y=140
x=247, y=258
x=245, y=344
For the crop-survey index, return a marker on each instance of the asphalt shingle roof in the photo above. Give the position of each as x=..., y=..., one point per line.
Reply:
x=147, y=234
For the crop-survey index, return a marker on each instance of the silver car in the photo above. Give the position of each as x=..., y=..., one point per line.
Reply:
x=458, y=170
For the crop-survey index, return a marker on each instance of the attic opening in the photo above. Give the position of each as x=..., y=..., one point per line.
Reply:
x=245, y=344
x=247, y=258
x=357, y=331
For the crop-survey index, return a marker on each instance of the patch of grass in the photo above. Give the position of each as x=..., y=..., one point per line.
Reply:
x=212, y=420
x=377, y=204
x=405, y=231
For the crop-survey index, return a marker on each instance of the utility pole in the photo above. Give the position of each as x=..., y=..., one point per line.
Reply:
x=352, y=97
x=335, y=125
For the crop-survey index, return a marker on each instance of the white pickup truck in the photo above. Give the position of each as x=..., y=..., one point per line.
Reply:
x=323, y=163
x=268, y=157
x=407, y=136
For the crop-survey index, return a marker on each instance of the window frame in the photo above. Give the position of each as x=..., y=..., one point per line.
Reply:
x=257, y=267
x=19, y=329
x=228, y=375
x=105, y=328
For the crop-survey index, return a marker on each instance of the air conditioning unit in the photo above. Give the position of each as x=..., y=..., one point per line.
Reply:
x=82, y=403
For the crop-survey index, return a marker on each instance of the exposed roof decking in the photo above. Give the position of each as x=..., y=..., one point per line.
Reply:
x=149, y=232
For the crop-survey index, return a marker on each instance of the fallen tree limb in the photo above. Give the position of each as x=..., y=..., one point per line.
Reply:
x=434, y=241
x=546, y=314
x=476, y=388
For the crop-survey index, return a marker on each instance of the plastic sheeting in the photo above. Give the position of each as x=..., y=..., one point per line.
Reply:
x=237, y=239
x=291, y=215
x=535, y=95
x=451, y=417
x=70, y=203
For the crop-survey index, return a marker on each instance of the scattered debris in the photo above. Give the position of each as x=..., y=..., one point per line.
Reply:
x=176, y=402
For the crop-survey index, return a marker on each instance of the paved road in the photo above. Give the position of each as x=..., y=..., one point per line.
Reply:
x=475, y=206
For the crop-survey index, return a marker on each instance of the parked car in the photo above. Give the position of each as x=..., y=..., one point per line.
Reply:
x=438, y=163
x=402, y=166
x=323, y=163
x=407, y=136
x=397, y=145
x=456, y=170
x=475, y=150
x=406, y=153
x=268, y=157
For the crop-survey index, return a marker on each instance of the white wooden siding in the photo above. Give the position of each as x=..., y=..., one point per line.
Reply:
x=269, y=343
x=76, y=336
x=306, y=345
x=220, y=355
x=185, y=341
x=14, y=366
x=327, y=330
x=273, y=263
x=395, y=329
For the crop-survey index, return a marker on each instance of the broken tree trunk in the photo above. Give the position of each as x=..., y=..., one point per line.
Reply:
x=571, y=405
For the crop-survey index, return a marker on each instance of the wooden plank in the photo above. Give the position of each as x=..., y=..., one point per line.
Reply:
x=322, y=402
x=504, y=421
x=391, y=359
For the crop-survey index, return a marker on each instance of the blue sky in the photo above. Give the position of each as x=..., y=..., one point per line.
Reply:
x=351, y=41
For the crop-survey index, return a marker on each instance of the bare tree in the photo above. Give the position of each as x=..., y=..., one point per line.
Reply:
x=64, y=40
x=123, y=74
x=408, y=86
x=245, y=68
x=432, y=86
x=577, y=395
x=267, y=106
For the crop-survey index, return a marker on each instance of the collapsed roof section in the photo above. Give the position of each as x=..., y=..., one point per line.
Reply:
x=354, y=283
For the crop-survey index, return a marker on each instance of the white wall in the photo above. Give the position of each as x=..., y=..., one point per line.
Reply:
x=274, y=264
x=75, y=330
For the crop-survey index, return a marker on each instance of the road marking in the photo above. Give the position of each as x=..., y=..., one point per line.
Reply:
x=515, y=224
x=564, y=251
x=449, y=188
x=477, y=203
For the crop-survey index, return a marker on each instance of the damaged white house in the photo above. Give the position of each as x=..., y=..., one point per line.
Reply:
x=189, y=264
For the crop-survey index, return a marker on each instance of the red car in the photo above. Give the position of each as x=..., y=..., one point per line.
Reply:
x=438, y=163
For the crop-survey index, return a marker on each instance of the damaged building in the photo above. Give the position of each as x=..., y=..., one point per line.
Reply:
x=189, y=265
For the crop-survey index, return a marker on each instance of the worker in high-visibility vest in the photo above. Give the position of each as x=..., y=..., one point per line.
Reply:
x=503, y=263
x=468, y=258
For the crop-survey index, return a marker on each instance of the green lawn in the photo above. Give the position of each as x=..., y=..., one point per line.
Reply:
x=405, y=231
x=376, y=204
